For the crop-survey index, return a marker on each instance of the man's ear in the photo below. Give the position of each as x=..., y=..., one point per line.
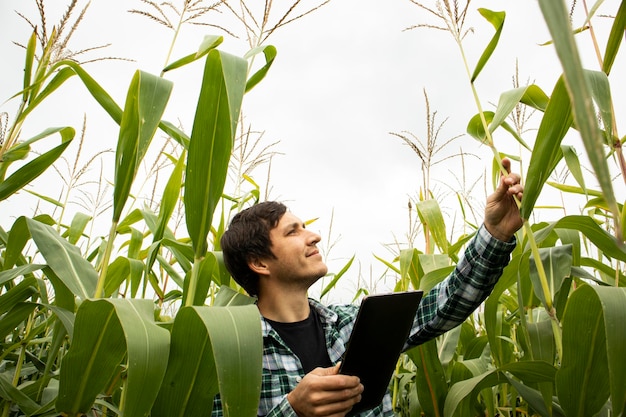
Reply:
x=258, y=266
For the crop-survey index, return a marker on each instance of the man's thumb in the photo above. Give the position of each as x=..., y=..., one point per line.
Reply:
x=333, y=370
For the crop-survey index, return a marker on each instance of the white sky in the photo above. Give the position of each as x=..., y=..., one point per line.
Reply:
x=345, y=77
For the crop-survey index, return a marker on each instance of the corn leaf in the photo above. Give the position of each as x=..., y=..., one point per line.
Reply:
x=430, y=378
x=555, y=123
x=214, y=349
x=588, y=227
x=430, y=216
x=207, y=272
x=107, y=331
x=209, y=42
x=528, y=371
x=615, y=38
x=557, y=263
x=145, y=103
x=573, y=164
x=594, y=345
x=169, y=201
x=33, y=169
x=226, y=296
x=28, y=65
x=578, y=86
x=601, y=93
x=64, y=259
x=211, y=142
x=337, y=277
x=15, y=395
x=497, y=20
x=269, y=52
x=77, y=227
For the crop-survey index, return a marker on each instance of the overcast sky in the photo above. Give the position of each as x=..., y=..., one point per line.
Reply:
x=346, y=76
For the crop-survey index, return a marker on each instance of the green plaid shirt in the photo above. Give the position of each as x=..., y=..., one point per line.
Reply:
x=444, y=307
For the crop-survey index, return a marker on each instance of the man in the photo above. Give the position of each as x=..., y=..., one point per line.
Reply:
x=272, y=255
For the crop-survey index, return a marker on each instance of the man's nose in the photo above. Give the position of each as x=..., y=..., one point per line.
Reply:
x=314, y=238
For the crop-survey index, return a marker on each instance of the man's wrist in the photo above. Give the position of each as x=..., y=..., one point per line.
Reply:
x=498, y=234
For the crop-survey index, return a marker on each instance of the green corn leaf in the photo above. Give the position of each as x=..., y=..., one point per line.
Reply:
x=410, y=268
x=19, y=313
x=23, y=270
x=33, y=169
x=214, y=349
x=573, y=189
x=615, y=38
x=43, y=64
x=337, y=277
x=606, y=243
x=594, y=345
x=208, y=43
x=497, y=20
x=430, y=215
x=77, y=227
x=227, y=296
x=492, y=304
x=64, y=259
x=528, y=372
x=145, y=103
x=60, y=77
x=430, y=378
x=537, y=400
x=208, y=272
x=211, y=142
x=15, y=395
x=269, y=52
x=557, y=263
x=106, y=332
x=169, y=201
x=578, y=86
x=28, y=65
x=555, y=123
x=573, y=164
x=535, y=98
x=601, y=93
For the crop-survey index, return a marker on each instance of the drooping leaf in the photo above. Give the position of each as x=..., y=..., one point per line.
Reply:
x=269, y=52
x=497, y=20
x=214, y=349
x=106, y=332
x=64, y=259
x=557, y=264
x=33, y=169
x=337, y=277
x=430, y=216
x=208, y=43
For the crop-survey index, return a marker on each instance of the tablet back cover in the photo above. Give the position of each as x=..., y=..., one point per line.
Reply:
x=382, y=326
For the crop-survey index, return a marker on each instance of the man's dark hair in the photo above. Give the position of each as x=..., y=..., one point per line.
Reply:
x=248, y=238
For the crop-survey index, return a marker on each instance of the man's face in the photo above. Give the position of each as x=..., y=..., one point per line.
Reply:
x=298, y=261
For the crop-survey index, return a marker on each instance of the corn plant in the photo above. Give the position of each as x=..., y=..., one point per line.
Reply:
x=551, y=337
x=72, y=344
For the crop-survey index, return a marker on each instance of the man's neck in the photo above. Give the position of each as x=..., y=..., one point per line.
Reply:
x=283, y=307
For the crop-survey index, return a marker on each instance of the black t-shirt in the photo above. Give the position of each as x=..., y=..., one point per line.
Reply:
x=306, y=340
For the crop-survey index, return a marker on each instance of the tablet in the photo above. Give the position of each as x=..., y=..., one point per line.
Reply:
x=381, y=329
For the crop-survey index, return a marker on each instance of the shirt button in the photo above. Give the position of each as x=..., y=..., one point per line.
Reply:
x=298, y=378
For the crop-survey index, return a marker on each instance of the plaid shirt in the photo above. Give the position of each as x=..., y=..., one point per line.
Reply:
x=446, y=306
